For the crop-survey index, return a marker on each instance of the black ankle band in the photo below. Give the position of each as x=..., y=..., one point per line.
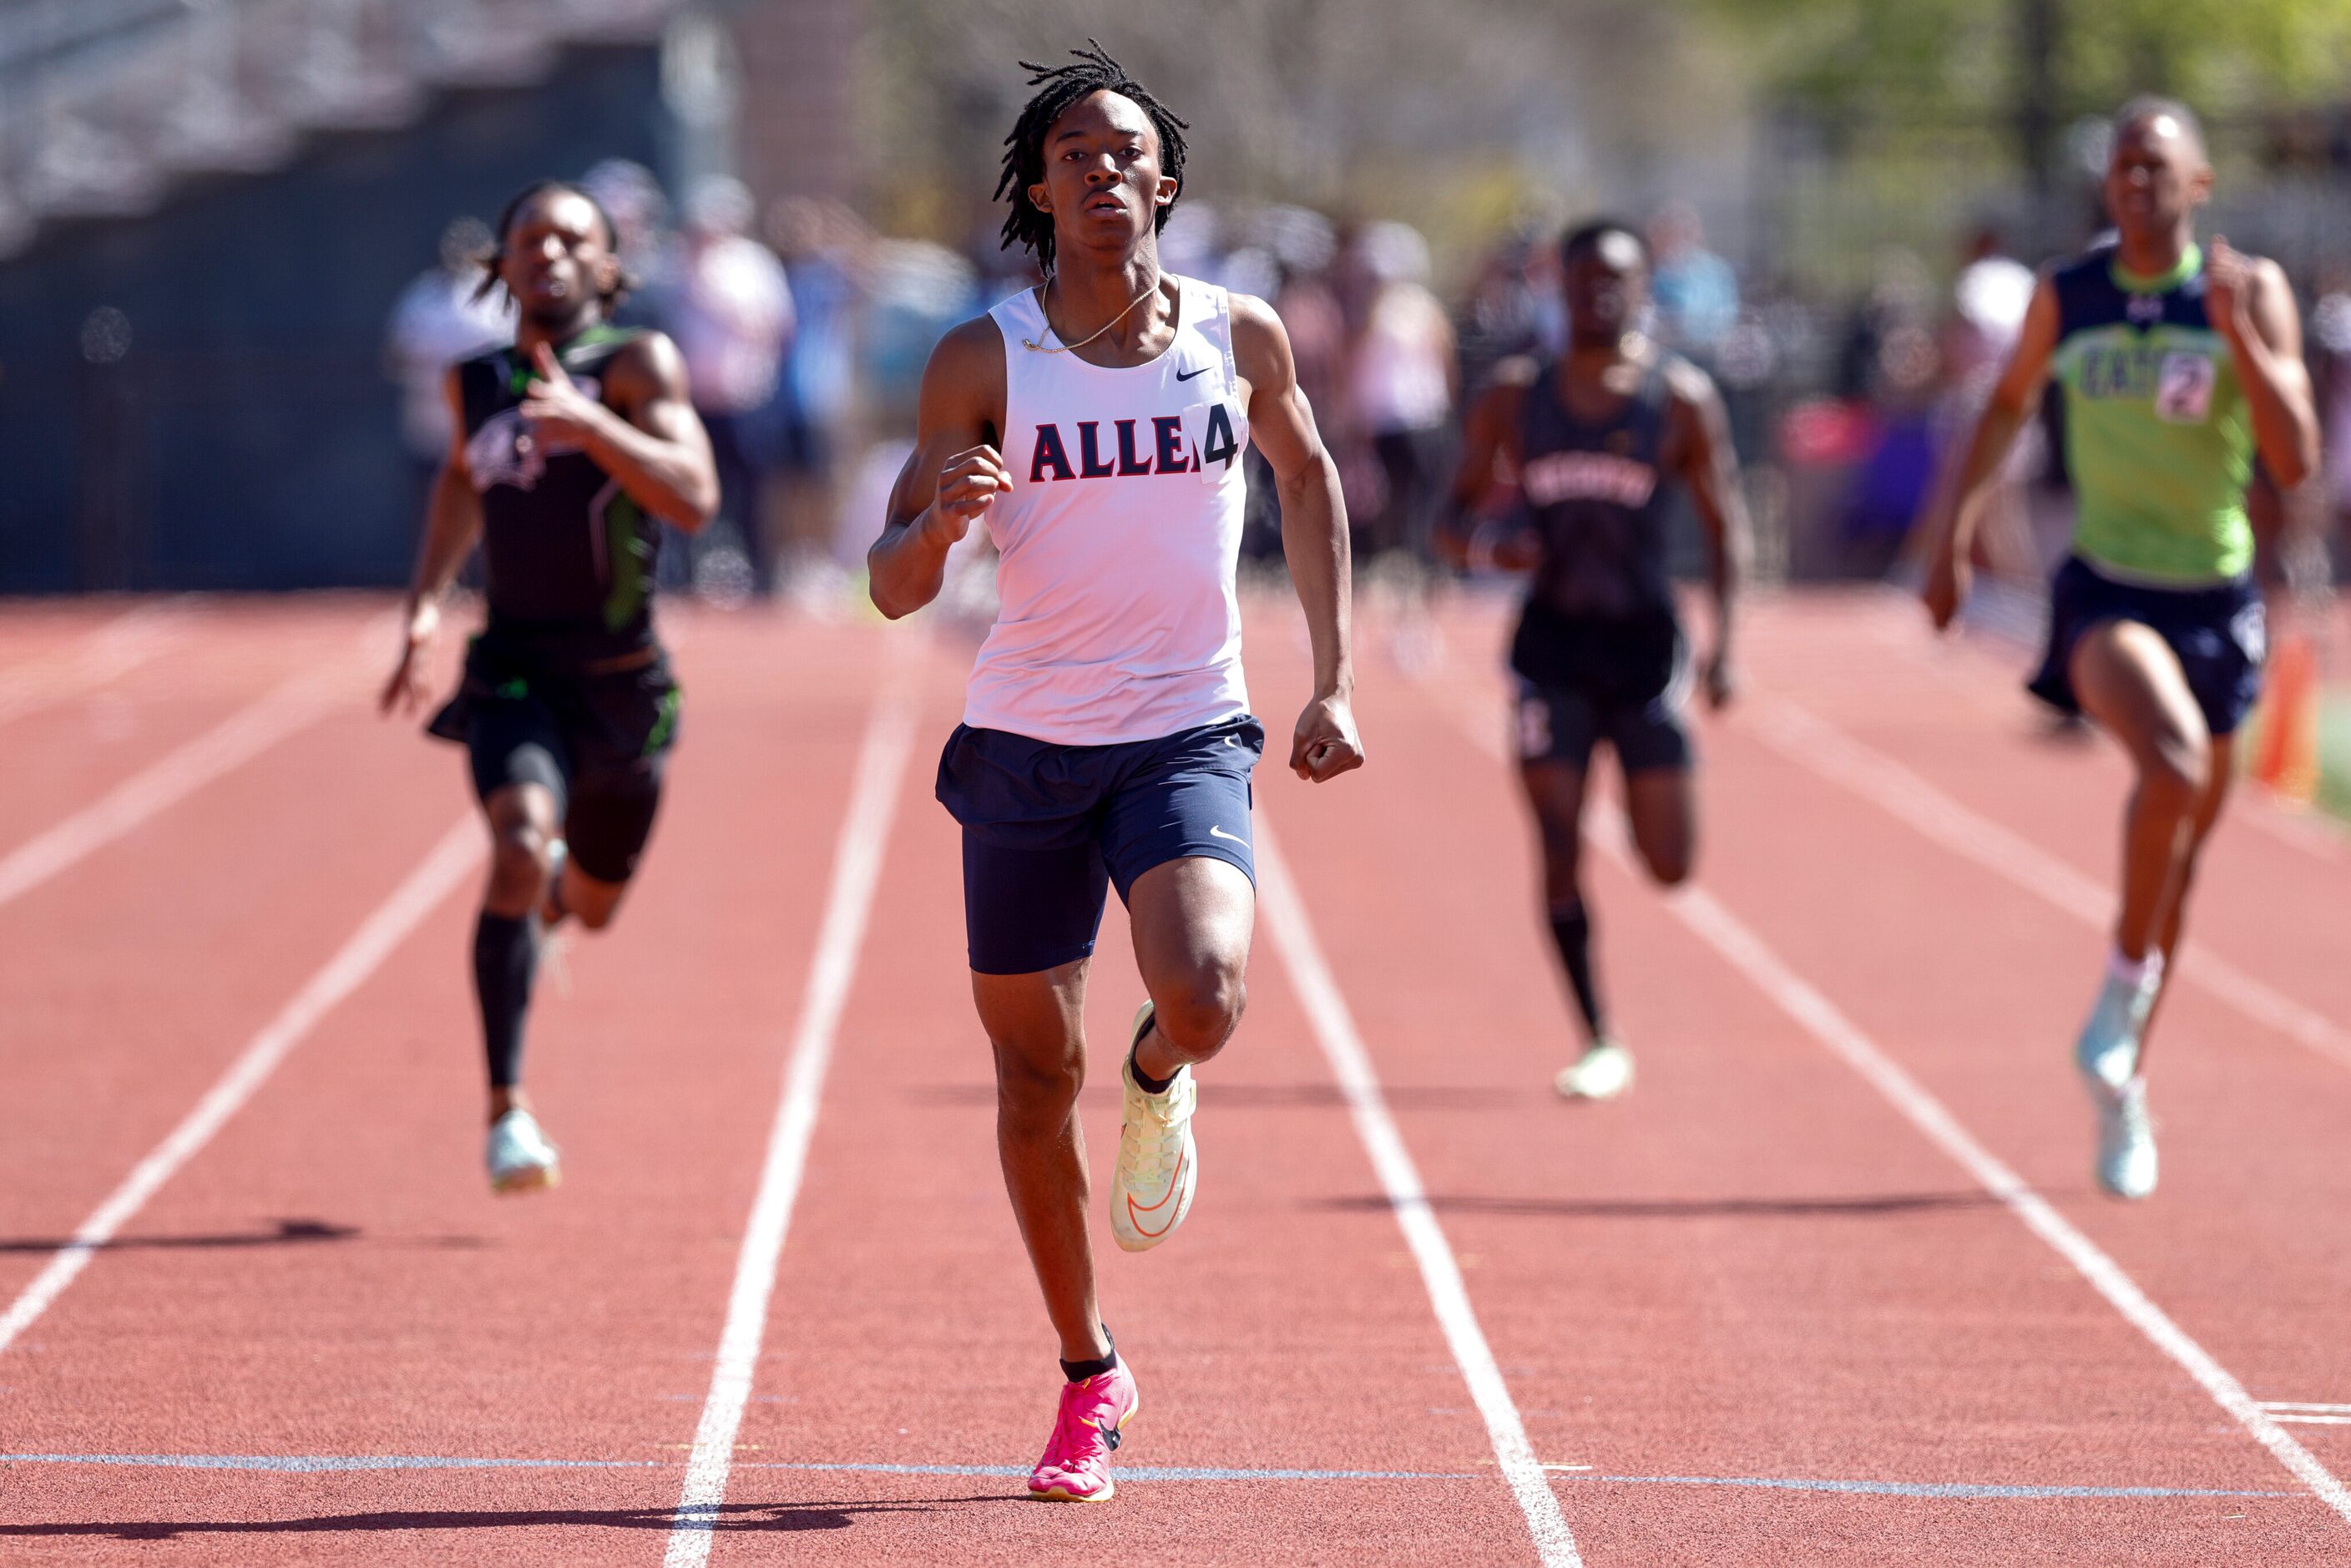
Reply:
x=1078, y=1370
x=1144, y=1081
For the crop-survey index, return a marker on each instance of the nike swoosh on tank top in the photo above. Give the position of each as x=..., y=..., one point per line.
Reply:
x=1120, y=539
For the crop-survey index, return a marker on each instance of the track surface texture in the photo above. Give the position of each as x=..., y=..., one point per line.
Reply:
x=1833, y=1285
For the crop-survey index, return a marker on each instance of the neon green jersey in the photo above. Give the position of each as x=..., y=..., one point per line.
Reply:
x=2158, y=436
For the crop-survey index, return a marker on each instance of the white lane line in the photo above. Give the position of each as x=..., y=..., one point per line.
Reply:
x=2305, y=1406
x=856, y=868
x=105, y=653
x=1815, y=744
x=459, y=849
x=1796, y=997
x=234, y=741
x=1819, y=1018
x=1350, y=1064
x=2305, y=827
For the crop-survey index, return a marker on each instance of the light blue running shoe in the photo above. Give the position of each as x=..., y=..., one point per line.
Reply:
x=2107, y=1053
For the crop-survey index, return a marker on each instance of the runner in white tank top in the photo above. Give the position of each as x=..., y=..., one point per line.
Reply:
x=1098, y=425
x=1120, y=538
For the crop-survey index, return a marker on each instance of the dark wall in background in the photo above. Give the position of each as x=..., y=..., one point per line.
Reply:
x=250, y=439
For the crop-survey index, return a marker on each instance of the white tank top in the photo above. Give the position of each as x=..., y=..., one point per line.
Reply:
x=1119, y=540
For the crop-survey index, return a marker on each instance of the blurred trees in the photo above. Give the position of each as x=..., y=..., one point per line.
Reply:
x=1462, y=117
x=2033, y=66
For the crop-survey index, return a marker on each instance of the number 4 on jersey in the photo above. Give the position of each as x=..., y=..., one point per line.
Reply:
x=1210, y=427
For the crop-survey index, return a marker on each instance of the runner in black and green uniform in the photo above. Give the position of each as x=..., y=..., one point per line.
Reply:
x=2179, y=367
x=568, y=446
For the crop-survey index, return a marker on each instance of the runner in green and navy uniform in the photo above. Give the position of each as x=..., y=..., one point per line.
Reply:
x=2159, y=442
x=569, y=447
x=2180, y=367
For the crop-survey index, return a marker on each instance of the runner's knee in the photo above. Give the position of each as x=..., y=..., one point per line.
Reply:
x=1669, y=865
x=520, y=859
x=591, y=903
x=1562, y=860
x=2176, y=769
x=1199, y=1012
x=1036, y=1090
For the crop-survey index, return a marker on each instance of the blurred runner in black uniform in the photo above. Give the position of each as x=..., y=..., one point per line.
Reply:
x=1586, y=443
x=569, y=447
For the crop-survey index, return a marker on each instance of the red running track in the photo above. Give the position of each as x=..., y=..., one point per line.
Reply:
x=1751, y=1314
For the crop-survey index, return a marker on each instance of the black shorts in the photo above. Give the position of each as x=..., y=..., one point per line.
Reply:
x=1047, y=829
x=1584, y=681
x=2219, y=632
x=598, y=739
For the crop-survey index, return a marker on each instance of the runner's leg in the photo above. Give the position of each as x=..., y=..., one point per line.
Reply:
x=2221, y=773
x=2129, y=680
x=1555, y=789
x=1036, y=1024
x=1192, y=920
x=522, y=818
x=1662, y=806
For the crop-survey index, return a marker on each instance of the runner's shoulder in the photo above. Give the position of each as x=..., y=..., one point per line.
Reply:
x=645, y=361
x=1506, y=383
x=970, y=348
x=1260, y=342
x=1685, y=383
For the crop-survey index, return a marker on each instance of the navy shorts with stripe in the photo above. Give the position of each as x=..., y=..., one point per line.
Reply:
x=1048, y=829
x=2218, y=633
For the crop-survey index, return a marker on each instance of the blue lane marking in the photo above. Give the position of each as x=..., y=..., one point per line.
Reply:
x=1135, y=1472
x=312, y=1464
x=1919, y=1489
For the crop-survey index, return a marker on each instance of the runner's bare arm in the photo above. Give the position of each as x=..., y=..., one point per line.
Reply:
x=1489, y=429
x=2251, y=304
x=649, y=440
x=452, y=521
x=1709, y=466
x=2012, y=401
x=1313, y=536
x=955, y=473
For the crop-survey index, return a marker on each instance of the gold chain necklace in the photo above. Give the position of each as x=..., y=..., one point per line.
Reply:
x=1035, y=347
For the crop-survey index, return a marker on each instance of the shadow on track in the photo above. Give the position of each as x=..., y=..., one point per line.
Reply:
x=734, y=1516
x=1861, y=1207
x=289, y=1231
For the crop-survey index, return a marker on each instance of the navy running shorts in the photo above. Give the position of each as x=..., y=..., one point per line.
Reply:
x=2220, y=633
x=1048, y=829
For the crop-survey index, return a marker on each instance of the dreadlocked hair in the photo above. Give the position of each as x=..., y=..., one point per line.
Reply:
x=1058, y=88
x=622, y=282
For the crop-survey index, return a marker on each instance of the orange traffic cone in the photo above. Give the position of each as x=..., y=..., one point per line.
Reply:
x=2285, y=760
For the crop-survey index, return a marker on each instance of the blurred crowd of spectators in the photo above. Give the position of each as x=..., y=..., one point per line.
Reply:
x=805, y=333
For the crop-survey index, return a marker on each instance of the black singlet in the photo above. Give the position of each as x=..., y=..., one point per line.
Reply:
x=568, y=555
x=1593, y=494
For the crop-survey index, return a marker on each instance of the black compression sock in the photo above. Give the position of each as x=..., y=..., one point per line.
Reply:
x=1078, y=1370
x=506, y=954
x=1571, y=927
x=1143, y=1081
